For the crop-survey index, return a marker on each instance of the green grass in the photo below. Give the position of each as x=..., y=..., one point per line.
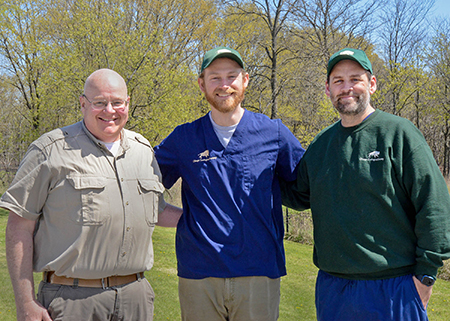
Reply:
x=297, y=288
x=7, y=306
x=163, y=275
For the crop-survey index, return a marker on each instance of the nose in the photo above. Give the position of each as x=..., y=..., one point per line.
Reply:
x=224, y=84
x=348, y=86
x=109, y=108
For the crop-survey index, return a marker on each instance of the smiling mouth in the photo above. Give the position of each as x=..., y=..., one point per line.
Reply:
x=225, y=94
x=107, y=120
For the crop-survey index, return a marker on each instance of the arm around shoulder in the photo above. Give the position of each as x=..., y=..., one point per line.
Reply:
x=295, y=194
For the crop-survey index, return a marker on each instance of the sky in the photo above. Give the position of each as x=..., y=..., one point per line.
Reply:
x=442, y=8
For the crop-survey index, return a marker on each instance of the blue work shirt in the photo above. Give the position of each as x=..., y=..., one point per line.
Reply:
x=232, y=222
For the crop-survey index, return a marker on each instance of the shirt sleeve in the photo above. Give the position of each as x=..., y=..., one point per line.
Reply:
x=28, y=192
x=166, y=155
x=292, y=178
x=431, y=200
x=161, y=202
x=296, y=194
x=291, y=151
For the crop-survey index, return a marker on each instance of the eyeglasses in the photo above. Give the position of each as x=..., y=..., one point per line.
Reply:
x=117, y=104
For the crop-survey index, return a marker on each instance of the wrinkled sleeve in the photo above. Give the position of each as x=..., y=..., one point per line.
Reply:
x=296, y=194
x=28, y=192
x=290, y=153
x=431, y=200
x=168, y=161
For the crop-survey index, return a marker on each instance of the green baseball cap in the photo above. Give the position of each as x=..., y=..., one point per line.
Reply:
x=353, y=54
x=221, y=52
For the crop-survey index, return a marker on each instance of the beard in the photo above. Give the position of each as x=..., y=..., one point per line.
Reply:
x=228, y=105
x=361, y=104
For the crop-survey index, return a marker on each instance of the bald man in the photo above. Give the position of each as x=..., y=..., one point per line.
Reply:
x=83, y=206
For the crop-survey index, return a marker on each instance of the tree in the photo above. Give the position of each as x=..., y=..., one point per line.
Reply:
x=402, y=35
x=275, y=16
x=317, y=29
x=151, y=43
x=439, y=63
x=48, y=48
x=326, y=26
x=11, y=138
x=21, y=48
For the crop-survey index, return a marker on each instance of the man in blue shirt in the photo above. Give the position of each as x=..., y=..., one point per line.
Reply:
x=229, y=240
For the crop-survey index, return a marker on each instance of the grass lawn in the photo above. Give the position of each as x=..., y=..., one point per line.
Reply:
x=297, y=288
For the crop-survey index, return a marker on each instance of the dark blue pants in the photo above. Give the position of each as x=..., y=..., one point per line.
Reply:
x=394, y=299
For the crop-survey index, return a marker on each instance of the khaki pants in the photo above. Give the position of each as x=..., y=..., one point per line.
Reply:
x=253, y=298
x=129, y=302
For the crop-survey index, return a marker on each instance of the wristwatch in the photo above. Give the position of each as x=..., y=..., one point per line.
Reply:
x=426, y=279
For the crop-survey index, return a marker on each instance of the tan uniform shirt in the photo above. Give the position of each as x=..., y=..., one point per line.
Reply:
x=95, y=212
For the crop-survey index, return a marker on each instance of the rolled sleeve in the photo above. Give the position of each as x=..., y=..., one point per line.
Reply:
x=28, y=192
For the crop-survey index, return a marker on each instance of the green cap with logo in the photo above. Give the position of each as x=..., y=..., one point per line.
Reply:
x=221, y=52
x=353, y=54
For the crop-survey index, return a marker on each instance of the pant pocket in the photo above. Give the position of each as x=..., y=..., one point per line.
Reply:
x=415, y=293
x=47, y=293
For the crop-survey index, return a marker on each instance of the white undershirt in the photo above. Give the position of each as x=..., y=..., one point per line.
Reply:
x=113, y=147
x=224, y=133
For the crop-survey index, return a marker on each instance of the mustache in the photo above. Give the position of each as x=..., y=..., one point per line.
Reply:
x=347, y=95
x=228, y=91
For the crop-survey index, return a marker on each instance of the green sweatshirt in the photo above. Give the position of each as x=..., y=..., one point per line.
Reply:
x=379, y=203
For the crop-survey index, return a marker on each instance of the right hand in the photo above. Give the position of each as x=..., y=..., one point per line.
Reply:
x=32, y=311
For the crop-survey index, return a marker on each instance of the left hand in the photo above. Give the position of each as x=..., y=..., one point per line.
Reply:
x=424, y=291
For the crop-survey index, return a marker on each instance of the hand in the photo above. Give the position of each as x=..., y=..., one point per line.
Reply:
x=424, y=291
x=32, y=311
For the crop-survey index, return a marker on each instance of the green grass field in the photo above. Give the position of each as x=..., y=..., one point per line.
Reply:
x=297, y=288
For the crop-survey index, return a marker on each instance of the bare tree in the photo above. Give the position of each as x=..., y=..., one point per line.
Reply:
x=275, y=14
x=402, y=36
x=403, y=29
x=325, y=26
x=317, y=28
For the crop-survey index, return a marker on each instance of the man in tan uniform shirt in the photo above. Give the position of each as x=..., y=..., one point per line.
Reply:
x=83, y=206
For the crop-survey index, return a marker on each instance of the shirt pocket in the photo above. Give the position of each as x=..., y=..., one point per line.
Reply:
x=258, y=171
x=151, y=191
x=94, y=203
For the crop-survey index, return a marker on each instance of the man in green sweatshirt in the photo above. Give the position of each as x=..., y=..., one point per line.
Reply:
x=380, y=206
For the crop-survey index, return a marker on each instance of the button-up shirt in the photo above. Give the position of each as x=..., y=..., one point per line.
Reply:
x=95, y=213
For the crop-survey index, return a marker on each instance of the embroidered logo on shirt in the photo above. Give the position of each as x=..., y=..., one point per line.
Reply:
x=203, y=157
x=205, y=154
x=372, y=157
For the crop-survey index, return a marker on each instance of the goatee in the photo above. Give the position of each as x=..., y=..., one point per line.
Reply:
x=228, y=105
x=361, y=104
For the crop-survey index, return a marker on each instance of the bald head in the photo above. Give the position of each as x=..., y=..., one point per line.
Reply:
x=105, y=78
x=102, y=90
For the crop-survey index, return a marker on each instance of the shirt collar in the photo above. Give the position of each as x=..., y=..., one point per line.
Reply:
x=123, y=139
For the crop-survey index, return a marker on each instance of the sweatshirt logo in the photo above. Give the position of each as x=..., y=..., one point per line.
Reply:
x=372, y=157
x=203, y=157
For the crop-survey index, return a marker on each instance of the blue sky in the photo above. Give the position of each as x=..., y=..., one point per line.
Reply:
x=442, y=8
